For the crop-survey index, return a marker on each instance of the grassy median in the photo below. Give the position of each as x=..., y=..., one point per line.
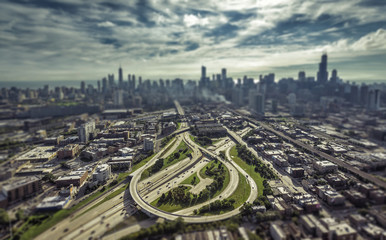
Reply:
x=250, y=169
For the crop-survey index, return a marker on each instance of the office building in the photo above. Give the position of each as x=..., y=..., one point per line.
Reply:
x=374, y=97
x=148, y=144
x=323, y=74
x=120, y=77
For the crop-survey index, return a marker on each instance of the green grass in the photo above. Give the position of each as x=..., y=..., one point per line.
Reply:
x=250, y=169
x=209, y=164
x=242, y=192
x=168, y=148
x=170, y=160
x=172, y=207
x=190, y=179
x=178, y=125
x=240, y=195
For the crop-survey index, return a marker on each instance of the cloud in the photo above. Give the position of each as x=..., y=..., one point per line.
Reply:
x=372, y=41
x=176, y=37
x=192, y=20
x=106, y=24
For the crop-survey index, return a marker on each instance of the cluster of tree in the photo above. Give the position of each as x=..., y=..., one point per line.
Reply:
x=267, y=189
x=216, y=205
x=157, y=165
x=49, y=177
x=250, y=159
x=141, y=157
x=203, y=140
x=113, y=183
x=115, y=168
x=222, y=155
x=91, y=189
x=249, y=134
x=193, y=182
x=4, y=218
x=165, y=140
x=176, y=195
x=178, y=154
x=262, y=200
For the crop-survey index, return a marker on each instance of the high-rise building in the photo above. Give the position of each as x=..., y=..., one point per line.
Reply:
x=323, y=74
x=203, y=73
x=104, y=85
x=83, y=87
x=334, y=76
x=99, y=86
x=374, y=100
x=302, y=76
x=364, y=94
x=111, y=81
x=85, y=130
x=118, y=97
x=256, y=102
x=120, y=76
x=224, y=74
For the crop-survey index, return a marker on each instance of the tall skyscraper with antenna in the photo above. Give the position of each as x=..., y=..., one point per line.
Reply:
x=323, y=74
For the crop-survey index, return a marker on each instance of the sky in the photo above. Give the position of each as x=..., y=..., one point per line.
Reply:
x=64, y=40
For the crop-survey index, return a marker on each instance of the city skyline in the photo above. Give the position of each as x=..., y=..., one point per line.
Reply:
x=53, y=40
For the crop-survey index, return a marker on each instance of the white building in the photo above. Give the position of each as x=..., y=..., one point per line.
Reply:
x=102, y=173
x=85, y=130
x=148, y=144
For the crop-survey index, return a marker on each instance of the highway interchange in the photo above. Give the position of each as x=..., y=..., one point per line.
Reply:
x=93, y=222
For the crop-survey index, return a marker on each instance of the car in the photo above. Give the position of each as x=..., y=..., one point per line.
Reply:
x=65, y=230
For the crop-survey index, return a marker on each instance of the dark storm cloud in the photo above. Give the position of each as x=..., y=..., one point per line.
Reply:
x=111, y=41
x=223, y=32
x=235, y=16
x=56, y=6
x=192, y=46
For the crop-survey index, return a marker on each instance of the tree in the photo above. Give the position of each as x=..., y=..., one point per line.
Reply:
x=20, y=214
x=176, y=155
x=4, y=218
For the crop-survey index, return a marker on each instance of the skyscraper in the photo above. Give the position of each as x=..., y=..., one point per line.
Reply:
x=302, y=76
x=120, y=75
x=83, y=87
x=323, y=74
x=334, y=76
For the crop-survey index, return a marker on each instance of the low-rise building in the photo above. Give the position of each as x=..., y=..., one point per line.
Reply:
x=355, y=197
x=325, y=167
x=76, y=178
x=39, y=154
x=330, y=195
x=342, y=231
x=120, y=162
x=22, y=188
x=68, y=151
x=102, y=173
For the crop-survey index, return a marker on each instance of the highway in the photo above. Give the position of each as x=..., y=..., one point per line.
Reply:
x=195, y=219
